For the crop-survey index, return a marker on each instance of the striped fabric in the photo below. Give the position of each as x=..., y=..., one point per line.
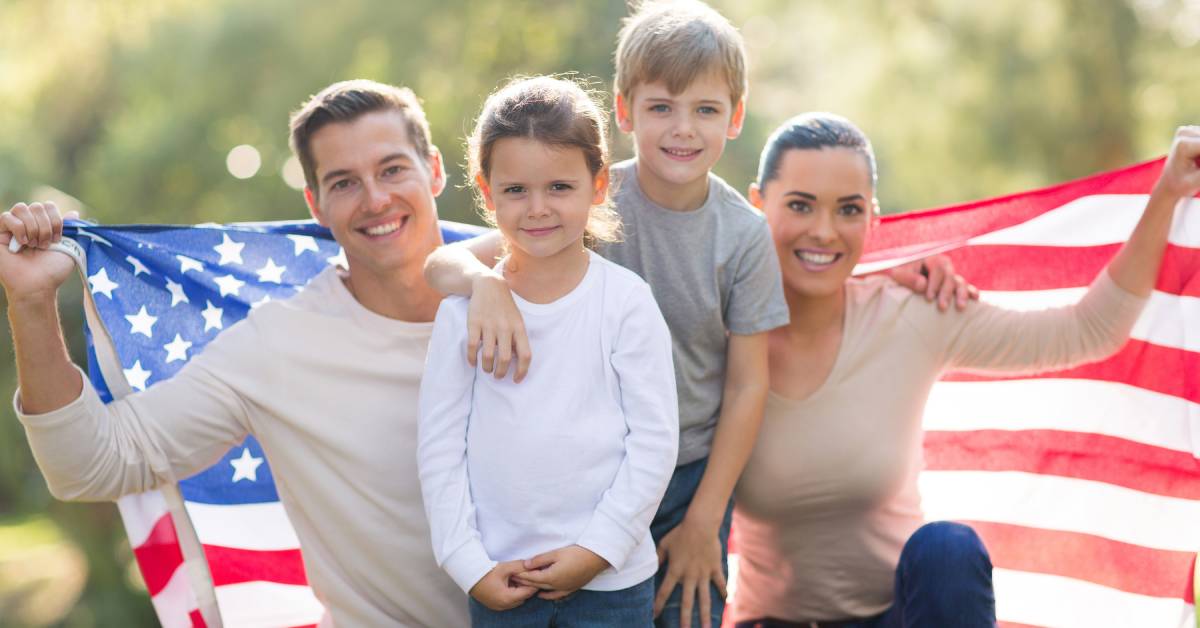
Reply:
x=1083, y=483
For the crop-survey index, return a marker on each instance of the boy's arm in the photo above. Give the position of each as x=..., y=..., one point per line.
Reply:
x=935, y=278
x=693, y=548
x=494, y=324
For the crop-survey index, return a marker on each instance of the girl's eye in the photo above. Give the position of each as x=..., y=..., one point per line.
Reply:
x=514, y=189
x=851, y=210
x=799, y=206
x=659, y=108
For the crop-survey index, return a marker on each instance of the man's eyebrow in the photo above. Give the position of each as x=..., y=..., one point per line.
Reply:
x=333, y=174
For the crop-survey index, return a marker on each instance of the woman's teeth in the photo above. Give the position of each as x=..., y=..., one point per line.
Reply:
x=817, y=258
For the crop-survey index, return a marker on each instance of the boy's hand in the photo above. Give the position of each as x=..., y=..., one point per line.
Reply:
x=561, y=572
x=35, y=270
x=1180, y=176
x=498, y=591
x=935, y=277
x=495, y=329
x=693, y=555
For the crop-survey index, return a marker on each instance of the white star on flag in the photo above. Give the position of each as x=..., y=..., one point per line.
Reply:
x=177, y=295
x=339, y=259
x=138, y=266
x=303, y=243
x=137, y=376
x=177, y=349
x=101, y=284
x=261, y=302
x=186, y=263
x=229, y=285
x=142, y=323
x=271, y=273
x=212, y=317
x=230, y=251
x=246, y=467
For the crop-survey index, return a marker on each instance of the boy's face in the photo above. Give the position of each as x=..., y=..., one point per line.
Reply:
x=680, y=137
x=376, y=192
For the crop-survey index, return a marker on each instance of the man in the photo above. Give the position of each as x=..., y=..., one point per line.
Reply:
x=326, y=381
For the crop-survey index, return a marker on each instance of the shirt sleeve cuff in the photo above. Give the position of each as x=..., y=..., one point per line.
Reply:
x=468, y=565
x=87, y=396
x=608, y=540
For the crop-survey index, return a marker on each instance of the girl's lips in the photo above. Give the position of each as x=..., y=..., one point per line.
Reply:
x=540, y=231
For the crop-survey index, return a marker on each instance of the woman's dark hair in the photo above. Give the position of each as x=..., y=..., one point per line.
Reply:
x=813, y=131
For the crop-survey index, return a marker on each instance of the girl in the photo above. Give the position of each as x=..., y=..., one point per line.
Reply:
x=828, y=517
x=548, y=488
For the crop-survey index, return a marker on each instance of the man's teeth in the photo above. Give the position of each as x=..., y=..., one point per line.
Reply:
x=816, y=258
x=380, y=230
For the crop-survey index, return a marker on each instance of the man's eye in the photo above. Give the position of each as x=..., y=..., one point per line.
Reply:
x=392, y=170
x=340, y=184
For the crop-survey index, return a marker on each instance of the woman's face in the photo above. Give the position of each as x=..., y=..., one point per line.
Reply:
x=820, y=208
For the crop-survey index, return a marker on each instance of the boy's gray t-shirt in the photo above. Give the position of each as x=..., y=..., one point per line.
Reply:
x=712, y=270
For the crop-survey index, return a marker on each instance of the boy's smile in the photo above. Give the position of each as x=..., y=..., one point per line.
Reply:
x=679, y=137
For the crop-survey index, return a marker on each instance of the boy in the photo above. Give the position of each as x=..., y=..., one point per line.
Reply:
x=706, y=253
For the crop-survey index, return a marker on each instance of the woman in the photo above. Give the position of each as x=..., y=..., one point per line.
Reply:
x=828, y=520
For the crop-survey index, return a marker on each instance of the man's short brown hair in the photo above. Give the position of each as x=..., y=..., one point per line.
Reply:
x=346, y=101
x=675, y=42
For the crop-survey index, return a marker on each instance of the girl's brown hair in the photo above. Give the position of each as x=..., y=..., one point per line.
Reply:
x=558, y=112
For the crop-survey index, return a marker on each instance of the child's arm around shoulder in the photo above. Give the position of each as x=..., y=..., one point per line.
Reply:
x=494, y=324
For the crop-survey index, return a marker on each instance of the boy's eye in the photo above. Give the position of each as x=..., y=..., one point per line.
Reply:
x=561, y=187
x=799, y=206
x=514, y=189
x=707, y=110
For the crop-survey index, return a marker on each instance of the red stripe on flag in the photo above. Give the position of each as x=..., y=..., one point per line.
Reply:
x=197, y=619
x=1122, y=566
x=234, y=566
x=1012, y=267
x=1095, y=457
x=1151, y=367
x=937, y=228
x=159, y=556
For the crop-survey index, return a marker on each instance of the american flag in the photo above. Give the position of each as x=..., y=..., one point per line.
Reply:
x=219, y=545
x=1083, y=483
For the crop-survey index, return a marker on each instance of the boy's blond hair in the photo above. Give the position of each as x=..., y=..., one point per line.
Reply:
x=675, y=41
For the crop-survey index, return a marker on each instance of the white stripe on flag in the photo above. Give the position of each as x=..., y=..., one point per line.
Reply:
x=140, y=512
x=1164, y=321
x=1066, y=504
x=1094, y=221
x=263, y=527
x=1047, y=600
x=1069, y=405
x=175, y=601
x=290, y=605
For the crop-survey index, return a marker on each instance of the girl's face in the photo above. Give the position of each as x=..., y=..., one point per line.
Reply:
x=820, y=208
x=541, y=195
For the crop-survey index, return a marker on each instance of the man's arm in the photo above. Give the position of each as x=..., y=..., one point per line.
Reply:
x=494, y=324
x=693, y=548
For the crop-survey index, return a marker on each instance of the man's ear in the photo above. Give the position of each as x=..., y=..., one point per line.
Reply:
x=755, y=196
x=313, y=208
x=437, y=172
x=621, y=111
x=485, y=190
x=737, y=120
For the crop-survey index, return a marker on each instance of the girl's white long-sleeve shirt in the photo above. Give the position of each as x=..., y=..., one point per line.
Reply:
x=579, y=453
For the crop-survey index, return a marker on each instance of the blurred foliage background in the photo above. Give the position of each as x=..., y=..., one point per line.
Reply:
x=131, y=111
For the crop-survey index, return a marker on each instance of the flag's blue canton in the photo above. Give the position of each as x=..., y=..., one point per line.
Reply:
x=164, y=292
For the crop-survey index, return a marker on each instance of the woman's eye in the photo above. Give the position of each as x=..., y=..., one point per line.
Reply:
x=851, y=210
x=799, y=206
